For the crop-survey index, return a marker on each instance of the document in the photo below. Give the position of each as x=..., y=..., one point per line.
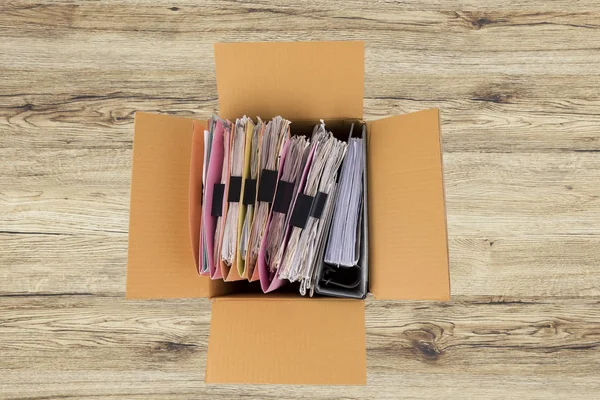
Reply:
x=295, y=153
x=344, y=237
x=307, y=219
x=277, y=132
x=344, y=269
x=247, y=196
x=212, y=196
x=236, y=168
x=208, y=135
x=273, y=199
x=250, y=187
x=224, y=182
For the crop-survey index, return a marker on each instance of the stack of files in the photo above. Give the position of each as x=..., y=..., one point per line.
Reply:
x=344, y=238
x=234, y=209
x=249, y=196
x=280, y=208
x=344, y=270
x=270, y=159
x=311, y=209
x=236, y=201
x=294, y=157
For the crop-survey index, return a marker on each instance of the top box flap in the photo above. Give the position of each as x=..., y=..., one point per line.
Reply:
x=408, y=249
x=299, y=81
x=286, y=340
x=160, y=259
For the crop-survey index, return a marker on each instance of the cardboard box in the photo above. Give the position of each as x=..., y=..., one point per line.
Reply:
x=286, y=338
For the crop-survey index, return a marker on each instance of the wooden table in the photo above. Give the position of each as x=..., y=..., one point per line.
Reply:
x=518, y=86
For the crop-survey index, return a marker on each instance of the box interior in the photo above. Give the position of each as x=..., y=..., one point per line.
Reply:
x=408, y=240
x=340, y=128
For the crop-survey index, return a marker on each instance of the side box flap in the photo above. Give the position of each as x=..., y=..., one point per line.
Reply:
x=286, y=340
x=301, y=80
x=160, y=260
x=195, y=188
x=408, y=247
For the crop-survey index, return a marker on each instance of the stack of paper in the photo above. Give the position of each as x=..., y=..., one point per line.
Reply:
x=273, y=200
x=344, y=238
x=306, y=222
x=243, y=127
x=212, y=196
x=250, y=187
x=277, y=132
x=292, y=164
x=220, y=194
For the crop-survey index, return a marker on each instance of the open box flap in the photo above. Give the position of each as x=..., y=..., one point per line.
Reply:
x=160, y=259
x=298, y=81
x=408, y=250
x=195, y=188
x=286, y=340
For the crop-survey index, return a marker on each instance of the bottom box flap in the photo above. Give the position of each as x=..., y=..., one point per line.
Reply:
x=160, y=262
x=286, y=340
x=408, y=246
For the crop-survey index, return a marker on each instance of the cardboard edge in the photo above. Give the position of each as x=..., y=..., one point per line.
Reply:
x=219, y=288
x=195, y=189
x=449, y=296
x=363, y=262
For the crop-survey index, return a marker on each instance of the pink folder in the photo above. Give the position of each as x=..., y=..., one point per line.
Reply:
x=270, y=282
x=213, y=176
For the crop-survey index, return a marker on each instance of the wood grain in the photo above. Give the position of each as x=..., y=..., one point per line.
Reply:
x=124, y=346
x=518, y=85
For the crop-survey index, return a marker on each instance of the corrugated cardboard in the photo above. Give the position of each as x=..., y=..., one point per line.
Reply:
x=408, y=241
x=275, y=338
x=291, y=340
x=195, y=189
x=302, y=80
x=160, y=262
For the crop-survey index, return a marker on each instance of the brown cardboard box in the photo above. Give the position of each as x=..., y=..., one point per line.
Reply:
x=285, y=338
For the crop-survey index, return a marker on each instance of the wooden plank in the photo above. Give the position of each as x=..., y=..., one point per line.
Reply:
x=522, y=195
x=215, y=6
x=140, y=52
x=54, y=263
x=196, y=84
x=483, y=346
x=524, y=267
x=493, y=119
x=488, y=194
x=288, y=18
